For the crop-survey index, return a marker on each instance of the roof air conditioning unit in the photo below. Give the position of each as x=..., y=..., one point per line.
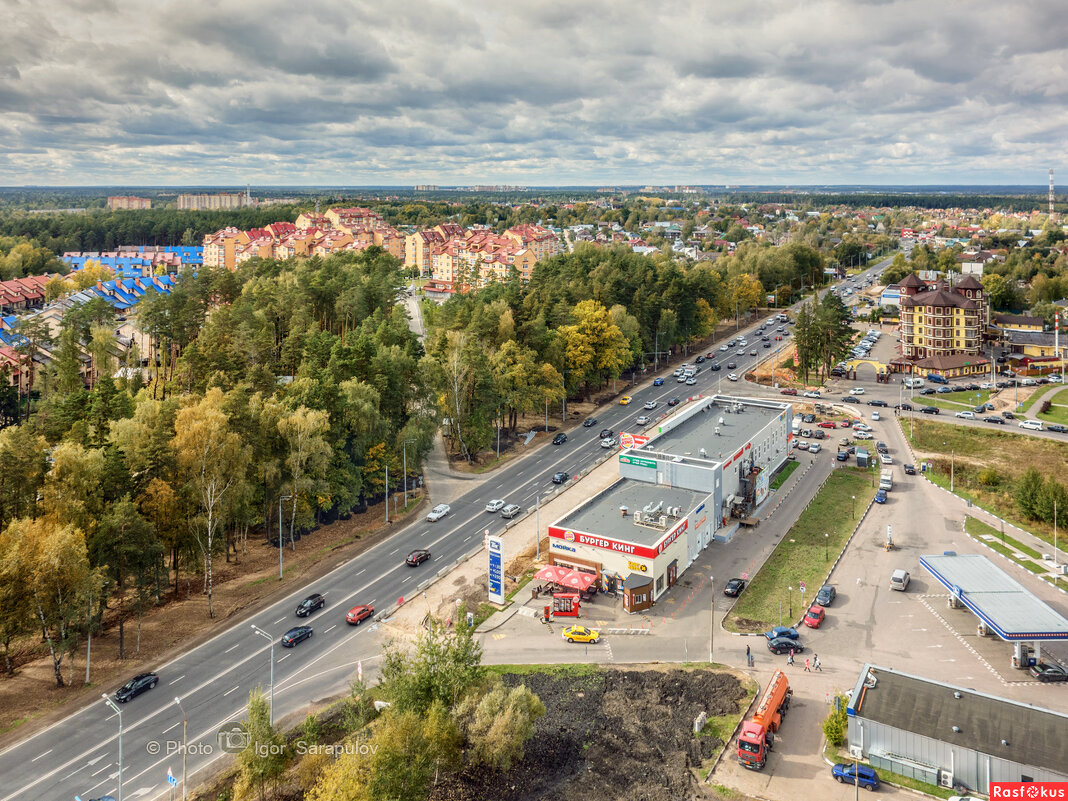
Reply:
x=856, y=752
x=637, y=517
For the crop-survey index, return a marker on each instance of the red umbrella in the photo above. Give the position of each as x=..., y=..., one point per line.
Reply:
x=553, y=573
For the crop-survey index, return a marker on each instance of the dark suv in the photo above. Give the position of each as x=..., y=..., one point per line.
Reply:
x=826, y=595
x=310, y=604
x=135, y=686
x=560, y=438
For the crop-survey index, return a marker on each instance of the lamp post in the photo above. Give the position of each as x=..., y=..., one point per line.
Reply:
x=280, y=499
x=826, y=543
x=118, y=712
x=656, y=352
x=854, y=507
x=270, y=653
x=711, y=622
x=185, y=741
x=404, y=451
x=790, y=596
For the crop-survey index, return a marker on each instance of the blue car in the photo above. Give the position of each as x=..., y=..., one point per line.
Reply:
x=658, y=382
x=781, y=631
x=880, y=496
x=862, y=775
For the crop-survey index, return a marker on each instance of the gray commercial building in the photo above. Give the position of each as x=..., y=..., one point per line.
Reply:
x=949, y=735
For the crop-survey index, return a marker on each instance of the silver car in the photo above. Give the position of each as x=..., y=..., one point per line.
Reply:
x=438, y=512
x=510, y=511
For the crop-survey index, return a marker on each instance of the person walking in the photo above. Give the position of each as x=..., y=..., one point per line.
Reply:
x=816, y=663
x=807, y=669
x=790, y=658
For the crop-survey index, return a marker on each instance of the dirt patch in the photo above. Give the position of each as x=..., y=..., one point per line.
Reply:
x=30, y=699
x=623, y=734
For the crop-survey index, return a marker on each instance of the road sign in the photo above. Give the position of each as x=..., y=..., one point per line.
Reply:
x=802, y=586
x=173, y=782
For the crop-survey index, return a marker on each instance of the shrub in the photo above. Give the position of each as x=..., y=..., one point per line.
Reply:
x=1046, y=406
x=989, y=477
x=836, y=724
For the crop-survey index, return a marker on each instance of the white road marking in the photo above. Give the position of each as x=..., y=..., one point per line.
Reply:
x=330, y=629
x=361, y=572
x=232, y=647
x=175, y=726
x=281, y=658
x=96, y=759
x=279, y=620
x=394, y=551
x=232, y=689
x=42, y=756
x=101, y=770
x=175, y=681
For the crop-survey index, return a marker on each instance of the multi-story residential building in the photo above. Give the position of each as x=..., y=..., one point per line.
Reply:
x=229, y=200
x=942, y=327
x=220, y=248
x=417, y=249
x=543, y=243
x=22, y=293
x=118, y=202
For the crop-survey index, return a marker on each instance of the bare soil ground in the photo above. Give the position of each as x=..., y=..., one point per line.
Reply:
x=30, y=699
x=613, y=734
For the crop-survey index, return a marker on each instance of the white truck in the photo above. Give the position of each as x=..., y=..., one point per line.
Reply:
x=886, y=480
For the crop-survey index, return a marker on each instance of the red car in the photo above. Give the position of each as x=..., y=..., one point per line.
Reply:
x=814, y=616
x=828, y=424
x=778, y=337
x=846, y=424
x=788, y=392
x=358, y=614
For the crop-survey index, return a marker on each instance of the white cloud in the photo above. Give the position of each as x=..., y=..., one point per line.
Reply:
x=360, y=92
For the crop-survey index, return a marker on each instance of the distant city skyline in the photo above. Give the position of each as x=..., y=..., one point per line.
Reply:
x=546, y=94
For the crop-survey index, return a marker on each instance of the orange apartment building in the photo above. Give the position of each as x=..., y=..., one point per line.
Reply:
x=942, y=326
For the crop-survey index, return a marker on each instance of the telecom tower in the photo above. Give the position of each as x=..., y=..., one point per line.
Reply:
x=1050, y=191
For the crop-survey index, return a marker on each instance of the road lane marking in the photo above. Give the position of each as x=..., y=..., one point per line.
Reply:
x=108, y=765
x=232, y=689
x=394, y=552
x=42, y=756
x=232, y=647
x=283, y=658
x=330, y=629
x=175, y=726
x=175, y=681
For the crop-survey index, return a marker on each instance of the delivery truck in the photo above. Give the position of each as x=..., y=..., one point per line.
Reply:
x=758, y=732
x=886, y=480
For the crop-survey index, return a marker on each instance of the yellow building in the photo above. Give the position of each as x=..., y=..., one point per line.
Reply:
x=943, y=320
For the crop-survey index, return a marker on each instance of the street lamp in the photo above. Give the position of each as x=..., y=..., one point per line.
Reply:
x=280, y=499
x=790, y=595
x=826, y=542
x=656, y=351
x=269, y=639
x=185, y=742
x=118, y=712
x=404, y=450
x=854, y=507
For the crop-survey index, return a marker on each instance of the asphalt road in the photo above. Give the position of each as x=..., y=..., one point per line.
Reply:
x=79, y=755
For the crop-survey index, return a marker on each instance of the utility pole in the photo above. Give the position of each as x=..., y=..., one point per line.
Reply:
x=185, y=742
x=118, y=712
x=270, y=655
x=537, y=527
x=280, y=548
x=404, y=451
x=711, y=622
x=656, y=352
x=387, y=493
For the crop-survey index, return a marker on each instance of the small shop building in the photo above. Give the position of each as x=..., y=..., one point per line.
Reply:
x=689, y=480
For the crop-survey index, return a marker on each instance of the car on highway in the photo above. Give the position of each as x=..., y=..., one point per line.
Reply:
x=723, y=348
x=732, y=377
x=731, y=365
x=827, y=424
x=559, y=477
x=812, y=393
x=625, y=400
x=875, y=416
x=752, y=353
x=644, y=420
x=417, y=557
x=142, y=682
x=881, y=403
x=965, y=415
x=581, y=634
x=438, y=512
x=784, y=645
x=788, y=391
x=495, y=505
x=358, y=614
x=1044, y=672
x=651, y=404
x=510, y=511
x=910, y=469
x=682, y=379
x=788, y=632
x=881, y=447
x=826, y=595
x=993, y=418
x=658, y=382
x=310, y=604
x=589, y=422
x=880, y=496
x=699, y=360
x=734, y=586
x=814, y=616
x=1057, y=428
x=673, y=401
x=560, y=438
x=691, y=381
x=856, y=391
x=608, y=442
x=715, y=368
x=297, y=634
x=606, y=432
x=929, y=410
x=860, y=775
x=1030, y=425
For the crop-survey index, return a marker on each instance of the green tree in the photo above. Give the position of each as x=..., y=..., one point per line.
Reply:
x=498, y=724
x=304, y=432
x=1027, y=491
x=443, y=667
x=264, y=758
x=594, y=348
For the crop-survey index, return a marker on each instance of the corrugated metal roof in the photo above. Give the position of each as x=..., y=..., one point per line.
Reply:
x=998, y=600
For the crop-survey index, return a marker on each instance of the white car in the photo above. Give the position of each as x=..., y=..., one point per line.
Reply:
x=438, y=512
x=988, y=385
x=681, y=379
x=495, y=506
x=691, y=381
x=863, y=435
x=608, y=442
x=887, y=458
x=802, y=445
x=875, y=416
x=723, y=348
x=810, y=394
x=966, y=415
x=643, y=420
x=650, y=404
x=814, y=447
x=743, y=341
x=856, y=391
x=732, y=377
x=1031, y=425
x=740, y=353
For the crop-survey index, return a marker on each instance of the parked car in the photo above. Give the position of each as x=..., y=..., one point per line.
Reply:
x=581, y=634
x=864, y=435
x=1056, y=427
x=650, y=404
x=842, y=456
x=828, y=424
x=734, y=586
x=784, y=645
x=510, y=511
x=929, y=410
x=359, y=613
x=993, y=418
x=1008, y=415
x=1044, y=672
x=142, y=682
x=788, y=391
x=438, y=512
x=826, y=595
x=560, y=477
x=495, y=505
x=905, y=407
x=812, y=393
x=965, y=415
x=814, y=616
x=560, y=438
x=295, y=635
x=927, y=391
x=417, y=557
x=781, y=631
x=882, y=403
x=814, y=447
x=310, y=604
x=910, y=470
x=860, y=775
x=850, y=399
x=880, y=496
x=856, y=391
x=801, y=445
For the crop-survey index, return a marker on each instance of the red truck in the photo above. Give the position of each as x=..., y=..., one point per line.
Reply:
x=757, y=734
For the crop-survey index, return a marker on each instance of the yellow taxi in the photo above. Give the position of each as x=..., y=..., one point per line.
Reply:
x=625, y=400
x=581, y=634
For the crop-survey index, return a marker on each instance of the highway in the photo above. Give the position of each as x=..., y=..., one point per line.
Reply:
x=79, y=755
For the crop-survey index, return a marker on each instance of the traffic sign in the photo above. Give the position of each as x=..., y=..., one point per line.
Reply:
x=173, y=782
x=802, y=586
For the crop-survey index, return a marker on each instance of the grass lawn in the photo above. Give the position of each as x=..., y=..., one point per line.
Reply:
x=1058, y=412
x=986, y=463
x=782, y=475
x=977, y=528
x=804, y=554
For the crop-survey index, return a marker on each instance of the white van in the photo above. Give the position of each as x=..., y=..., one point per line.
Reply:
x=1031, y=425
x=900, y=580
x=913, y=383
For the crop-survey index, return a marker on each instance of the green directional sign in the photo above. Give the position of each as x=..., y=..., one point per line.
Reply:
x=637, y=460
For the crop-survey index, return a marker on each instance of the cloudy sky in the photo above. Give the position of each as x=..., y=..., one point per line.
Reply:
x=351, y=92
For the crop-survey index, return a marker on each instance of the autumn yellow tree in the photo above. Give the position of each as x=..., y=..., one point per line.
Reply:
x=594, y=347
x=304, y=431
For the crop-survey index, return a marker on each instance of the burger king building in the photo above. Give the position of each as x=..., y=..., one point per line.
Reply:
x=683, y=483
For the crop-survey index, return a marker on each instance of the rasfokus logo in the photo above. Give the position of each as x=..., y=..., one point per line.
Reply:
x=1029, y=790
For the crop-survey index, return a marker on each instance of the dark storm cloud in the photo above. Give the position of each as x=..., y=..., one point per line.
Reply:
x=463, y=91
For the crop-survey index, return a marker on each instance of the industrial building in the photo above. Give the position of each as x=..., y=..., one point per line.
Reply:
x=694, y=477
x=949, y=736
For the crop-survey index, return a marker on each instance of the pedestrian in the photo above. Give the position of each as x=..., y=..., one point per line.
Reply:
x=806, y=665
x=790, y=658
x=747, y=654
x=816, y=663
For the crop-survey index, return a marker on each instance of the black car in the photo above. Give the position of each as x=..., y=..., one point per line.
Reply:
x=417, y=557
x=135, y=686
x=944, y=390
x=560, y=477
x=767, y=344
x=808, y=418
x=972, y=387
x=673, y=402
x=1044, y=672
x=783, y=645
x=699, y=360
x=310, y=604
x=930, y=409
x=881, y=447
x=1056, y=427
x=850, y=399
x=295, y=635
x=606, y=433
x=715, y=367
x=994, y=419
x=731, y=365
x=1008, y=415
x=905, y=407
x=878, y=403
x=589, y=422
x=826, y=595
x=927, y=391
x=734, y=586
x=560, y=438
x=910, y=470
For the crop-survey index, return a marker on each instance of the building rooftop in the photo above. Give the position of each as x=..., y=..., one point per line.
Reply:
x=928, y=708
x=741, y=419
x=601, y=514
x=997, y=599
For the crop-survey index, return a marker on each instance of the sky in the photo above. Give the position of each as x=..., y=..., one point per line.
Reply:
x=552, y=92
